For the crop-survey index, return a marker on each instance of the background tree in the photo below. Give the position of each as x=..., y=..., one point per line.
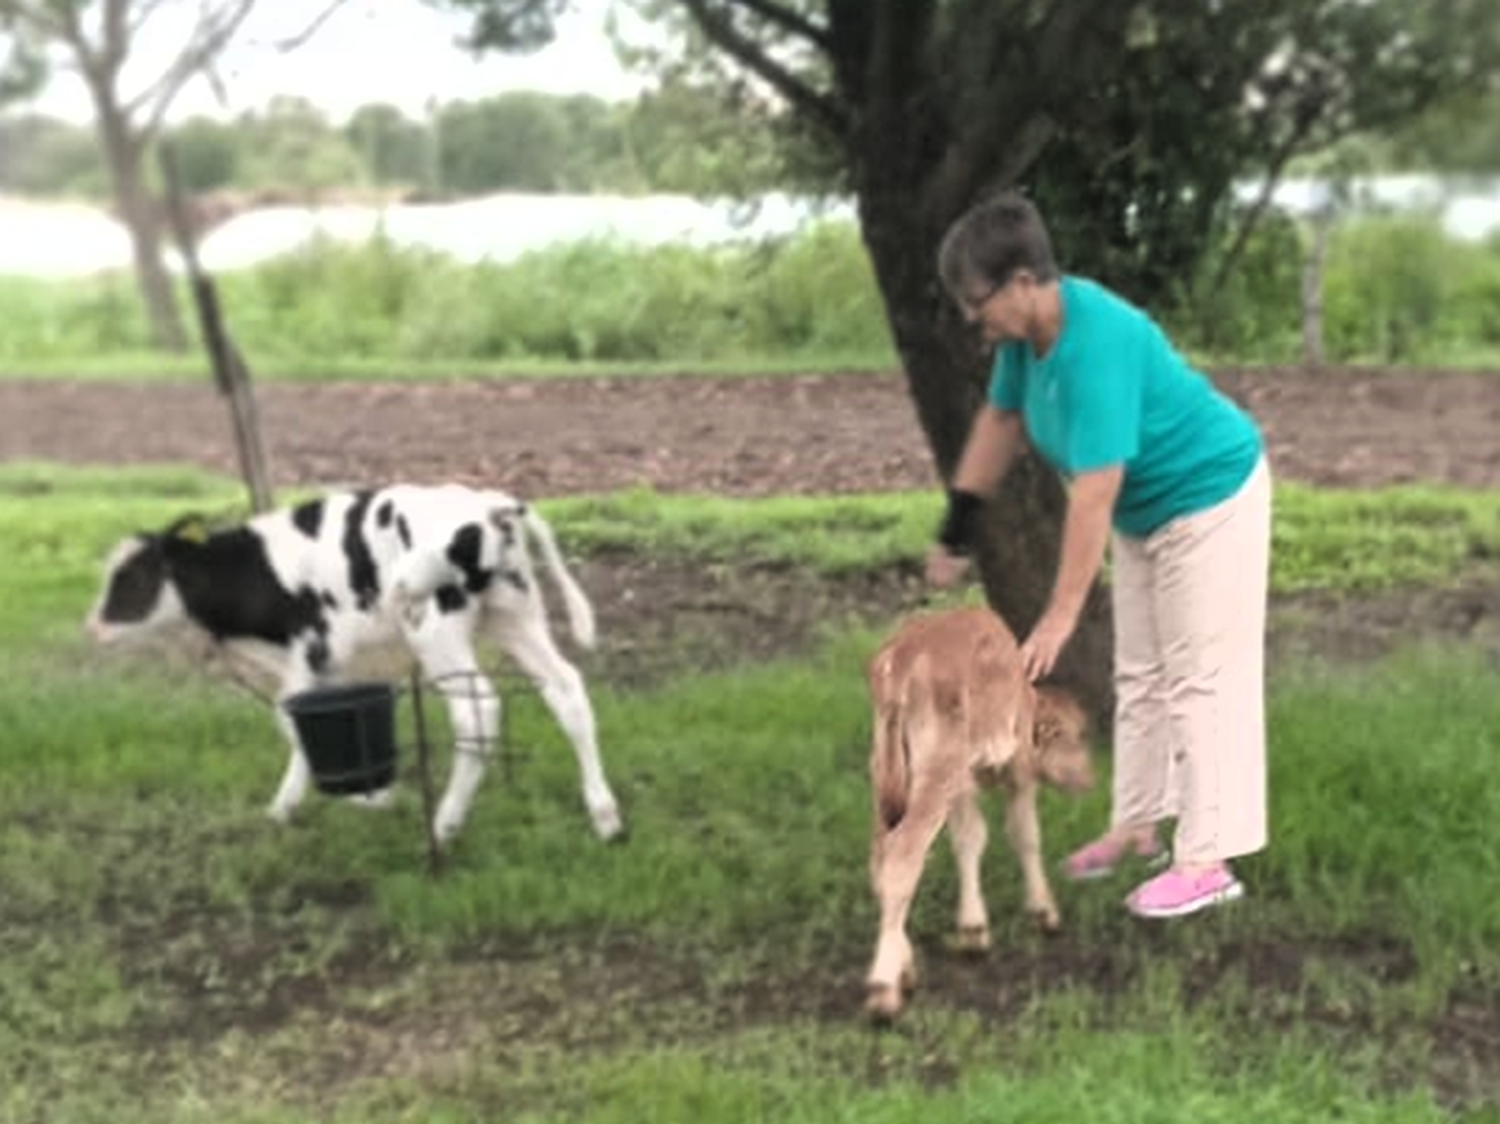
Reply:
x=391, y=146
x=43, y=156
x=1458, y=136
x=207, y=153
x=704, y=140
x=22, y=69
x=96, y=39
x=291, y=147
x=514, y=142
x=1130, y=122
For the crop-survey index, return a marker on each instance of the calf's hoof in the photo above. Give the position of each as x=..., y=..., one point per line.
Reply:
x=972, y=938
x=607, y=822
x=882, y=1003
x=1047, y=920
x=375, y=801
x=445, y=829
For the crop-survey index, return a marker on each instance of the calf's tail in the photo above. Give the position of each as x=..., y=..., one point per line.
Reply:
x=890, y=768
x=897, y=707
x=580, y=612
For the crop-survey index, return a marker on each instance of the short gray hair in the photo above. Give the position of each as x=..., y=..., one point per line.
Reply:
x=992, y=241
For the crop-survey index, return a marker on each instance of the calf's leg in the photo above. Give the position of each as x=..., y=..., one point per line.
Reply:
x=563, y=691
x=441, y=645
x=897, y=867
x=968, y=834
x=294, y=781
x=1026, y=840
x=474, y=714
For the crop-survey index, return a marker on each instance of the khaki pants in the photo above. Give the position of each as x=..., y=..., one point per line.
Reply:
x=1190, y=620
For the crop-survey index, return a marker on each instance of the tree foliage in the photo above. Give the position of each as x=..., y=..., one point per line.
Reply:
x=1460, y=136
x=97, y=40
x=672, y=140
x=1130, y=121
x=22, y=68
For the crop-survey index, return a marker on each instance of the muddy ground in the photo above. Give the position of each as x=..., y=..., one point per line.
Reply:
x=732, y=436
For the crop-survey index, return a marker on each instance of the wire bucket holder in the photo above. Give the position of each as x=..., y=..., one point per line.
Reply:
x=476, y=691
x=348, y=734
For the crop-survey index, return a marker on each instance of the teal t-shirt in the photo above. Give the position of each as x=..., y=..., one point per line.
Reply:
x=1114, y=391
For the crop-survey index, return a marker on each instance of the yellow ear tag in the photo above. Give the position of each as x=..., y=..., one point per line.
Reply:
x=193, y=530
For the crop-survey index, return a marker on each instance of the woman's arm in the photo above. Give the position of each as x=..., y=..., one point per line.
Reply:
x=1091, y=503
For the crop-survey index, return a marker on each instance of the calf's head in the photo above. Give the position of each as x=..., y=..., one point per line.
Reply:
x=138, y=593
x=1062, y=748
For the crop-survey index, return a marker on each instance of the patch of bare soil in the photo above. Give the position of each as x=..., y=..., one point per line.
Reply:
x=732, y=436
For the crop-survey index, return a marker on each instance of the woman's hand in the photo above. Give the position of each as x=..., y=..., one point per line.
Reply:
x=1041, y=649
x=944, y=568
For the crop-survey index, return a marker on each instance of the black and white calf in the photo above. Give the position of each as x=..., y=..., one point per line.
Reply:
x=301, y=590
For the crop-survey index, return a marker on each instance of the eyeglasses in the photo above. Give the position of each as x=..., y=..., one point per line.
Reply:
x=973, y=307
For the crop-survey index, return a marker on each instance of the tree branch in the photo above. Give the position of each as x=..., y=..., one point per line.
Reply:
x=1002, y=151
x=1262, y=204
x=723, y=34
x=208, y=40
x=973, y=162
x=790, y=21
x=291, y=43
x=114, y=45
x=141, y=12
x=91, y=66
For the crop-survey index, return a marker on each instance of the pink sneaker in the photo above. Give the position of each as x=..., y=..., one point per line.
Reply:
x=1100, y=857
x=1175, y=894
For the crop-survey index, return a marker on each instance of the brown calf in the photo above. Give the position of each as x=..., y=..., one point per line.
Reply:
x=954, y=713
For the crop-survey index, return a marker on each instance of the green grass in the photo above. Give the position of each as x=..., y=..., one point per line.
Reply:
x=166, y=954
x=1337, y=541
x=1328, y=540
x=1381, y=538
x=833, y=535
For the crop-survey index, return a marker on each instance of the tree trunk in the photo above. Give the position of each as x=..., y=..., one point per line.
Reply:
x=141, y=218
x=947, y=370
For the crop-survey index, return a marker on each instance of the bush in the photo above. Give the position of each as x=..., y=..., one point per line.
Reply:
x=1396, y=289
x=1389, y=289
x=593, y=300
x=1256, y=311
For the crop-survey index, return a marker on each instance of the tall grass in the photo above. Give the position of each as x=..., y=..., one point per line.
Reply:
x=812, y=299
x=1397, y=290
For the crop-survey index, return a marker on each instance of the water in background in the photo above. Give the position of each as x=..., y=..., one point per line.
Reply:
x=65, y=240
x=68, y=240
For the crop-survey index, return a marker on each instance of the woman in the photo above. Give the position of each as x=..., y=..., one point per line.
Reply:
x=1172, y=477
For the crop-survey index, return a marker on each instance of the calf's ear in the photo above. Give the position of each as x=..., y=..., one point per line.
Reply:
x=1060, y=719
x=1059, y=732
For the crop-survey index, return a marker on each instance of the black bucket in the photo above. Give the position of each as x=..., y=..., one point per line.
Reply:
x=348, y=733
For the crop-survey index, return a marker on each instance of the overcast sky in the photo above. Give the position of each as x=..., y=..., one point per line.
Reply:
x=397, y=51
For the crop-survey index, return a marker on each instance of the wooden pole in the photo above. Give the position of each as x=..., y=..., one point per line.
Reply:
x=231, y=376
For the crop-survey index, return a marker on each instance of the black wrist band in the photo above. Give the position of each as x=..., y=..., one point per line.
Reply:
x=958, y=524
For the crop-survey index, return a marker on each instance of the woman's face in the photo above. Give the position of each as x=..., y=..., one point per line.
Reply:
x=1004, y=311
